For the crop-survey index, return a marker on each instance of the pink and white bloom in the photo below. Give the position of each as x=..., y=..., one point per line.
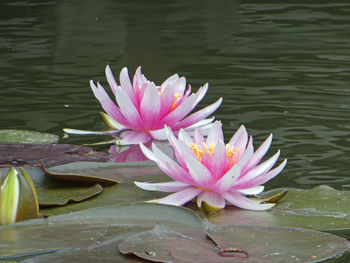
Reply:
x=213, y=171
x=143, y=109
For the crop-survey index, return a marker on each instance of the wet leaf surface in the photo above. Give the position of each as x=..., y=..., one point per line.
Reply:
x=94, y=229
x=19, y=154
x=25, y=136
x=236, y=243
x=320, y=208
x=107, y=172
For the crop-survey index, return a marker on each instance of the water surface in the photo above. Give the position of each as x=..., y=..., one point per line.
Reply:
x=283, y=67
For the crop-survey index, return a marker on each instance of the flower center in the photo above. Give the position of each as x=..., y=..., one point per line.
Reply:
x=232, y=153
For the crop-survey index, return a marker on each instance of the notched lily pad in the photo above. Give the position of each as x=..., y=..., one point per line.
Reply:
x=320, y=208
x=107, y=172
x=235, y=243
x=25, y=136
x=19, y=154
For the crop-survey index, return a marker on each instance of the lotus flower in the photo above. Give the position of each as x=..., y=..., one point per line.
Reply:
x=213, y=171
x=144, y=109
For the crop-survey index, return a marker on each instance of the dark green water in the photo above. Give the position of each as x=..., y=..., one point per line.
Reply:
x=282, y=67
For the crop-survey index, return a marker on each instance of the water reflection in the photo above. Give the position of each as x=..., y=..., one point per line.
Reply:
x=282, y=67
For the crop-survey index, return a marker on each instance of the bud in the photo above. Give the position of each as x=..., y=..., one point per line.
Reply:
x=18, y=197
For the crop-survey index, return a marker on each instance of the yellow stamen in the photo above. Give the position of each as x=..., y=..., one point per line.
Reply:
x=161, y=92
x=176, y=98
x=232, y=153
x=139, y=86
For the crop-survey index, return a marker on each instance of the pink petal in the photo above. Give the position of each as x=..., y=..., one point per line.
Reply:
x=167, y=100
x=180, y=112
x=215, y=134
x=245, y=158
x=170, y=80
x=125, y=84
x=111, y=80
x=182, y=151
x=201, y=93
x=253, y=190
x=150, y=108
x=259, y=154
x=183, y=136
x=128, y=109
x=180, y=86
x=262, y=178
x=134, y=137
x=238, y=200
x=200, y=174
x=228, y=180
x=212, y=198
x=217, y=161
x=181, y=197
x=138, y=80
x=160, y=134
x=198, y=116
x=260, y=169
x=170, y=167
x=162, y=187
x=108, y=105
x=239, y=139
x=201, y=123
x=198, y=137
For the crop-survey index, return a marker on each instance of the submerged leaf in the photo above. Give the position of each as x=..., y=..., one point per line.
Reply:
x=24, y=136
x=17, y=154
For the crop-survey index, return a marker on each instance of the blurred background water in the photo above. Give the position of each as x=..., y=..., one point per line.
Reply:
x=282, y=66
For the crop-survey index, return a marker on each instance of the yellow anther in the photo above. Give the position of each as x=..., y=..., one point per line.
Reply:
x=232, y=153
x=176, y=98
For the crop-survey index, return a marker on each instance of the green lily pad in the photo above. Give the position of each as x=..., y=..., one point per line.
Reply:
x=107, y=172
x=236, y=243
x=19, y=154
x=90, y=229
x=53, y=192
x=111, y=195
x=320, y=208
x=72, y=194
x=24, y=136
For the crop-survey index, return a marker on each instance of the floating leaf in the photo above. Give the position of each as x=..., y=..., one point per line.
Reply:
x=107, y=172
x=90, y=229
x=320, y=208
x=15, y=154
x=68, y=194
x=111, y=195
x=236, y=243
x=24, y=136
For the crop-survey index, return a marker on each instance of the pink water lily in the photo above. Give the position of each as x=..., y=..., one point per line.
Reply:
x=143, y=109
x=213, y=171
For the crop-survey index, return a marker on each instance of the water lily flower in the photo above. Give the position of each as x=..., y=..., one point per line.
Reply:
x=18, y=197
x=213, y=171
x=144, y=109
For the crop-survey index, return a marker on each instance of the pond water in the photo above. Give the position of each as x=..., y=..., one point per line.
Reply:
x=282, y=67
